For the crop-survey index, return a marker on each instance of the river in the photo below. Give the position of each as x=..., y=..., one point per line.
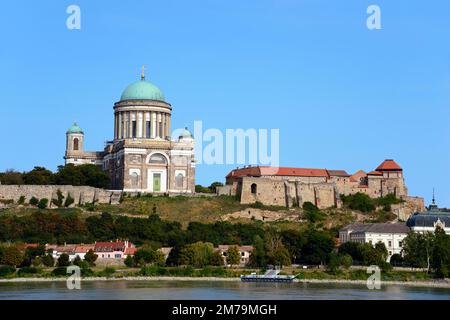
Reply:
x=216, y=290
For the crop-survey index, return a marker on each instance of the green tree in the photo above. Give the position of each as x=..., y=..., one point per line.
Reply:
x=38, y=176
x=77, y=261
x=277, y=254
x=440, y=259
x=37, y=261
x=197, y=254
x=359, y=201
x=258, y=257
x=214, y=185
x=90, y=257
x=233, y=256
x=11, y=177
x=318, y=245
x=11, y=256
x=418, y=249
x=312, y=213
x=346, y=260
x=217, y=259
x=63, y=260
x=48, y=261
x=129, y=261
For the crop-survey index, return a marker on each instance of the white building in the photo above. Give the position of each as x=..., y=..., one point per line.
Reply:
x=391, y=234
x=429, y=220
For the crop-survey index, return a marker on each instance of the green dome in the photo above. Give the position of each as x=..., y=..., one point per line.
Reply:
x=75, y=129
x=142, y=90
x=186, y=134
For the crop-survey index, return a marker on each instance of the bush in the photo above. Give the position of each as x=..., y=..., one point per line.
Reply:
x=69, y=201
x=43, y=203
x=63, y=260
x=107, y=272
x=48, y=261
x=59, y=199
x=6, y=271
x=359, y=201
x=87, y=272
x=34, y=201
x=28, y=270
x=60, y=271
x=21, y=200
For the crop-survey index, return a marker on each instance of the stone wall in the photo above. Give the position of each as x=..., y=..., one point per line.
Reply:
x=411, y=205
x=277, y=192
x=81, y=195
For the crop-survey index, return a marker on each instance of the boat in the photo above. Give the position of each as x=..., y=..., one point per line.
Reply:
x=269, y=276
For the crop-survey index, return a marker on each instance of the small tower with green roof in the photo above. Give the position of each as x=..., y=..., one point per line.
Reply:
x=74, y=139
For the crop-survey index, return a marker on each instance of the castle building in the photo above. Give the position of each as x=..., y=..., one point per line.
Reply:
x=142, y=157
x=290, y=187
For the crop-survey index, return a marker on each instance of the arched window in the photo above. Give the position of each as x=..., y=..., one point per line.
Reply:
x=254, y=188
x=76, y=144
x=158, y=158
x=179, y=181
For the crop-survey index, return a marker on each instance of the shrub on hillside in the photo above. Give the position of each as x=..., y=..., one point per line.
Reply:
x=359, y=201
x=34, y=201
x=6, y=271
x=43, y=203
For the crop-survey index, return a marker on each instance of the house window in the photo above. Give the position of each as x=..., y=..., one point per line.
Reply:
x=76, y=145
x=254, y=188
x=118, y=256
x=400, y=244
x=390, y=243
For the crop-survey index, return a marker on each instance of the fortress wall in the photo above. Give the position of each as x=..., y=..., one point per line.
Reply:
x=269, y=192
x=81, y=194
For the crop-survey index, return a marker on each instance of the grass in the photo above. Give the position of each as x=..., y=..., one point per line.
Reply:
x=205, y=209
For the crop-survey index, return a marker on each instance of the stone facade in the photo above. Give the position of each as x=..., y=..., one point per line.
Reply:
x=143, y=157
x=294, y=186
x=81, y=195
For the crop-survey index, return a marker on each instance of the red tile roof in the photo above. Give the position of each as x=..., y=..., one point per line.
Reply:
x=278, y=171
x=375, y=173
x=338, y=173
x=388, y=164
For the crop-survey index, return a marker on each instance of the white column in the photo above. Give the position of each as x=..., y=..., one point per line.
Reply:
x=153, y=116
x=139, y=125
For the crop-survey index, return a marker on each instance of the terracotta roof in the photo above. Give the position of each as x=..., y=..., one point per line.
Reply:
x=84, y=248
x=278, y=171
x=109, y=246
x=338, y=173
x=388, y=164
x=375, y=173
x=130, y=251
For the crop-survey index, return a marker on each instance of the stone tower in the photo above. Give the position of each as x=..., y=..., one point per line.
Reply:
x=74, y=139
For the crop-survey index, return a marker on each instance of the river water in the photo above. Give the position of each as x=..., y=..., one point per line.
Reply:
x=216, y=290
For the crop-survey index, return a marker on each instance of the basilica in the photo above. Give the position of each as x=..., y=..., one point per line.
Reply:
x=143, y=157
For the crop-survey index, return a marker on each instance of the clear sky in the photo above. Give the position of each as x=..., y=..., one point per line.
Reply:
x=343, y=96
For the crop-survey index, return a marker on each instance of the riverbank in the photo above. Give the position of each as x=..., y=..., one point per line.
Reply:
x=428, y=284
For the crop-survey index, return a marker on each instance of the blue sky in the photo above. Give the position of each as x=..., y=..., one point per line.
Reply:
x=343, y=97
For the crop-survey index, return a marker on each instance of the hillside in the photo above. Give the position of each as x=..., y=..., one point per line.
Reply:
x=209, y=209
